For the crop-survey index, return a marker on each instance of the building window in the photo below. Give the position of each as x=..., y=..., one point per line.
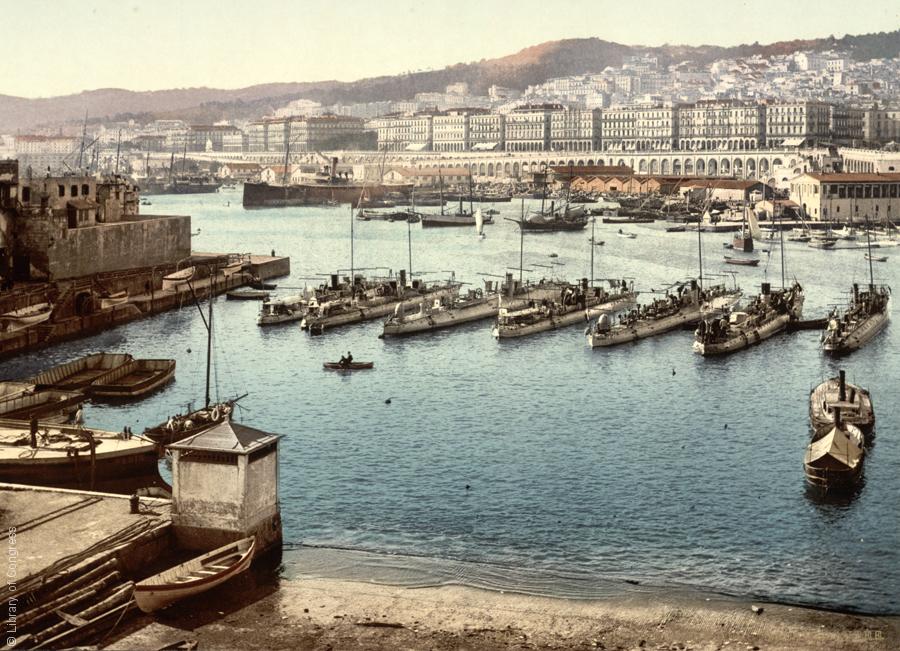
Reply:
x=26, y=194
x=85, y=190
x=73, y=191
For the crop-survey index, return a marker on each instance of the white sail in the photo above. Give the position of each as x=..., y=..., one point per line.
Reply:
x=479, y=222
x=754, y=225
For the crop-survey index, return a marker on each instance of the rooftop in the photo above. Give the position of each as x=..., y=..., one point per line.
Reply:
x=227, y=436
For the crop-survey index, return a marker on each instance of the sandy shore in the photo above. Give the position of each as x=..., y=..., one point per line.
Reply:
x=333, y=615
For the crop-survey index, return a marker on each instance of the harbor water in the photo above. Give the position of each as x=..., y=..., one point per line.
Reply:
x=537, y=464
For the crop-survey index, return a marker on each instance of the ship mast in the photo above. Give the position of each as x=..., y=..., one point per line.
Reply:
x=781, y=235
x=700, y=246
x=593, y=244
x=409, y=228
x=441, y=179
x=209, y=327
x=869, y=249
x=287, y=153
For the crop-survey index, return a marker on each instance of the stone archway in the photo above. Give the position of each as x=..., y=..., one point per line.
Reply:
x=590, y=161
x=713, y=168
x=737, y=167
x=481, y=169
x=654, y=166
x=664, y=167
x=688, y=166
x=490, y=169
x=751, y=168
x=642, y=166
x=621, y=163
x=763, y=166
x=724, y=167
x=506, y=169
x=676, y=167
x=515, y=170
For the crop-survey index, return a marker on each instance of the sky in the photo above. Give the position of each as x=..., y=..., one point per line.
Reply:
x=59, y=47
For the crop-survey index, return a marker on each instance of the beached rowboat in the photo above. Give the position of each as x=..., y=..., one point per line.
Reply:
x=195, y=576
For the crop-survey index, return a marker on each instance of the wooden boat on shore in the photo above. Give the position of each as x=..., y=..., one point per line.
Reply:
x=25, y=317
x=109, y=300
x=63, y=456
x=247, y=295
x=51, y=406
x=746, y=262
x=134, y=379
x=345, y=366
x=767, y=315
x=575, y=304
x=79, y=374
x=854, y=402
x=685, y=307
x=834, y=460
x=194, y=577
x=178, y=278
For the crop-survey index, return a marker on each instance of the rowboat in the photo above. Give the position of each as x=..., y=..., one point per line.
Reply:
x=876, y=258
x=248, y=295
x=626, y=235
x=676, y=229
x=174, y=280
x=134, y=379
x=49, y=406
x=747, y=262
x=25, y=317
x=194, y=577
x=352, y=366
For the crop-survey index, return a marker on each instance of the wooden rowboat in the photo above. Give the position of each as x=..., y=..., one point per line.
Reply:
x=747, y=262
x=352, y=366
x=195, y=576
x=248, y=295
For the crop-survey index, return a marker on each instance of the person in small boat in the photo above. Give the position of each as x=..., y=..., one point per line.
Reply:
x=348, y=360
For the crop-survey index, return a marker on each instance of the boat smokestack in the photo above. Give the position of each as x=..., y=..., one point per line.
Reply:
x=837, y=417
x=855, y=292
x=766, y=289
x=842, y=386
x=510, y=285
x=584, y=284
x=334, y=166
x=403, y=277
x=334, y=281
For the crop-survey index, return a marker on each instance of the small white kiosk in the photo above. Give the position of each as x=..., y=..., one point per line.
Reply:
x=225, y=487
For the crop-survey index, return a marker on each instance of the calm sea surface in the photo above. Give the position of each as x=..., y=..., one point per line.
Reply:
x=589, y=471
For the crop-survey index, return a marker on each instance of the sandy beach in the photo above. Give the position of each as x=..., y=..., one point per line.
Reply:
x=331, y=615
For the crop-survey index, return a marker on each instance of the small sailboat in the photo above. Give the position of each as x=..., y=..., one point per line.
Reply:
x=479, y=224
x=195, y=576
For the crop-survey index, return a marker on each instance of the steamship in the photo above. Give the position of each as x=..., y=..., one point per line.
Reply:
x=327, y=186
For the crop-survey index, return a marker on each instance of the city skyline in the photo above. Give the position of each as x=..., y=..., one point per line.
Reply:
x=164, y=45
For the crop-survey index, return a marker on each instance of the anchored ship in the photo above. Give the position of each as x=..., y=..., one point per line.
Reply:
x=854, y=402
x=573, y=304
x=687, y=305
x=766, y=315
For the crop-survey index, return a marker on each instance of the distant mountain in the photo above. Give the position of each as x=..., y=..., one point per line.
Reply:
x=532, y=65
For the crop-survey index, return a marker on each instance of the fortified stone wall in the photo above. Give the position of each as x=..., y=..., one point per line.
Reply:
x=144, y=242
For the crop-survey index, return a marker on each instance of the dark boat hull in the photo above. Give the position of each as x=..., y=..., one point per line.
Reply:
x=551, y=226
x=263, y=195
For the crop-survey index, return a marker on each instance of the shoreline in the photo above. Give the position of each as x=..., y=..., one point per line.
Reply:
x=316, y=613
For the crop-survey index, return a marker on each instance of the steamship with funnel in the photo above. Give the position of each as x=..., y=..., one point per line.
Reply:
x=326, y=186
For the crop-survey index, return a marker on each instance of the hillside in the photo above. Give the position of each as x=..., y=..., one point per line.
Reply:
x=530, y=66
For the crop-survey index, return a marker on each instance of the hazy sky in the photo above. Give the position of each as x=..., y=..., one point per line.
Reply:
x=65, y=46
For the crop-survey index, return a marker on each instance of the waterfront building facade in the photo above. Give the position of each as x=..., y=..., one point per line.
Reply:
x=638, y=128
x=412, y=132
x=575, y=129
x=792, y=123
x=719, y=125
x=305, y=134
x=848, y=197
x=528, y=128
